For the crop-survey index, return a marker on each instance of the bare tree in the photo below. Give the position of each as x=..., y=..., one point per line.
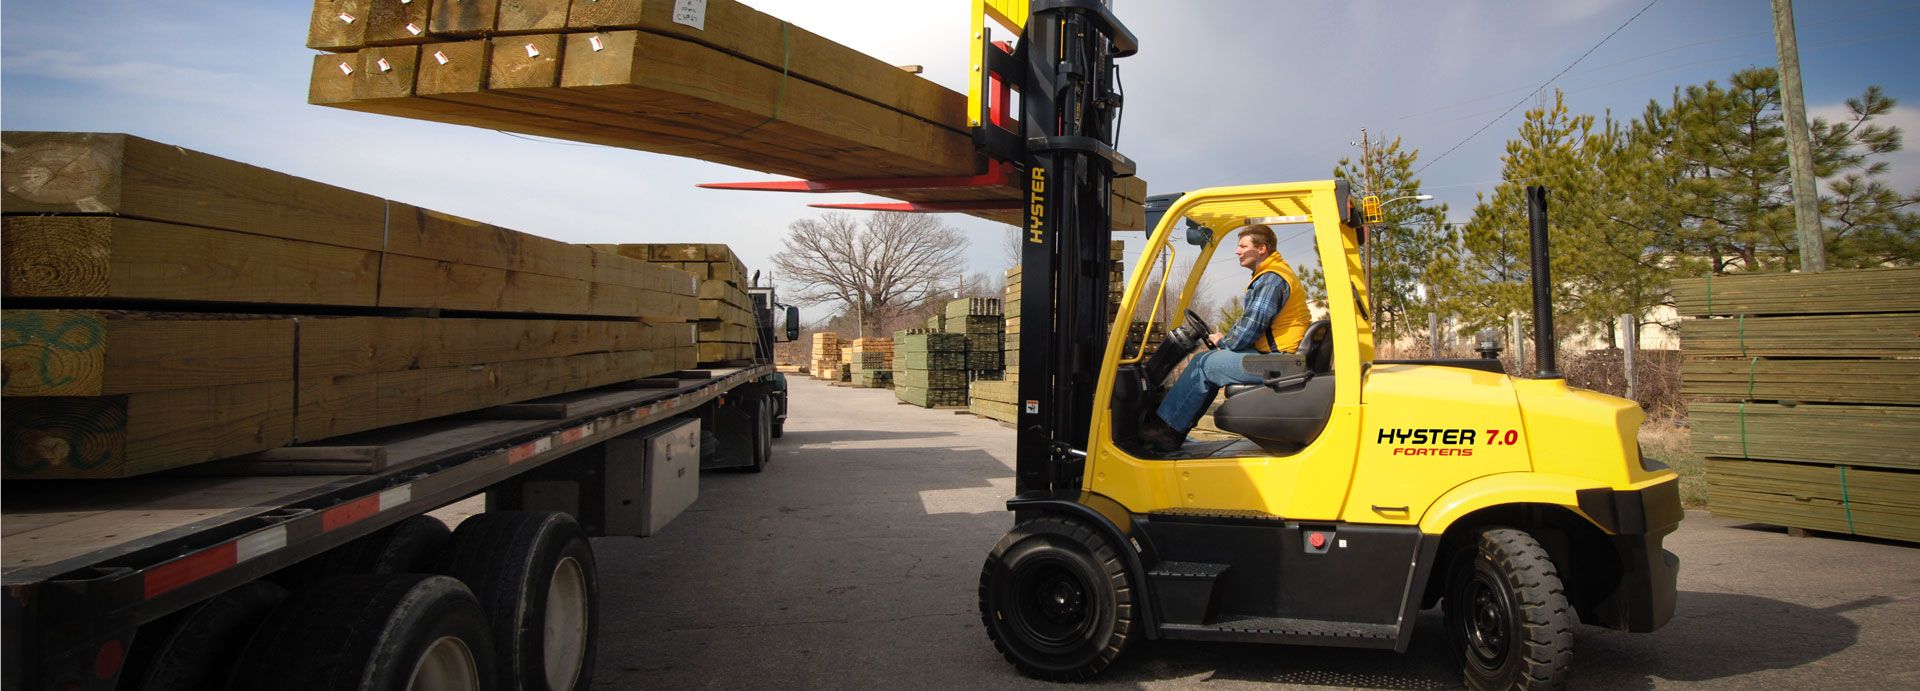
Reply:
x=877, y=269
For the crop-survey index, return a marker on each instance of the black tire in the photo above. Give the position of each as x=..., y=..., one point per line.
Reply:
x=198, y=652
x=762, y=425
x=514, y=561
x=410, y=546
x=1056, y=599
x=1507, y=614
x=372, y=632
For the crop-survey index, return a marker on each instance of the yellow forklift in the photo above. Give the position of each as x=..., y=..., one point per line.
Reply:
x=1356, y=492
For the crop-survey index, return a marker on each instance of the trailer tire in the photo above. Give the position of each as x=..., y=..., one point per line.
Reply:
x=1056, y=599
x=410, y=546
x=373, y=632
x=762, y=433
x=198, y=652
x=533, y=572
x=1507, y=614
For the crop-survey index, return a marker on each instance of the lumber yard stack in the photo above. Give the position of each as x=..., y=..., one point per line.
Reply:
x=870, y=363
x=1811, y=388
x=1116, y=280
x=826, y=356
x=713, y=80
x=166, y=307
x=995, y=399
x=929, y=368
x=728, y=331
x=979, y=320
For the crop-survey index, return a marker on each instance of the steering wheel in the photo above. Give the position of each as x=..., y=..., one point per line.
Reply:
x=1199, y=327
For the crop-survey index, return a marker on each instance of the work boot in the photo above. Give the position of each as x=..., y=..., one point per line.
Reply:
x=1159, y=437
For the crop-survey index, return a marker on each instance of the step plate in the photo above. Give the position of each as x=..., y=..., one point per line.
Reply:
x=1293, y=631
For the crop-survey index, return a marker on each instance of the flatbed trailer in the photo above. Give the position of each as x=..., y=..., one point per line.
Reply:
x=106, y=578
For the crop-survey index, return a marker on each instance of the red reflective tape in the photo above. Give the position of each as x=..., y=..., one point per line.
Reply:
x=190, y=568
x=349, y=512
x=520, y=453
x=575, y=434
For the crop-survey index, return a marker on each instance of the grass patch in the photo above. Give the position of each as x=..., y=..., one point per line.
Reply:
x=1671, y=444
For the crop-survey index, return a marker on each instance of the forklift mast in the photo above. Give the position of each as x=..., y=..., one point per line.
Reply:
x=1063, y=68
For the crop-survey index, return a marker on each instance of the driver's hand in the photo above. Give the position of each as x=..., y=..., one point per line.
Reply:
x=1215, y=338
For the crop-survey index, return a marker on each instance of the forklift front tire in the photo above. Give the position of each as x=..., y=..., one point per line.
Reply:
x=1056, y=599
x=1507, y=613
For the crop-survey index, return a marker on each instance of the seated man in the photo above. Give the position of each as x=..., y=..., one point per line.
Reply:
x=1275, y=320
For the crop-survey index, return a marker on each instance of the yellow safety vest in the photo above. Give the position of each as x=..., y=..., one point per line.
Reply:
x=1290, y=324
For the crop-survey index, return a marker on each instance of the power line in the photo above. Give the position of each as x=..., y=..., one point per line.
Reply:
x=1543, y=86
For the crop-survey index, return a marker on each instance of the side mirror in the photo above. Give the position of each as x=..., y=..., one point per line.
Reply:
x=1198, y=235
x=793, y=323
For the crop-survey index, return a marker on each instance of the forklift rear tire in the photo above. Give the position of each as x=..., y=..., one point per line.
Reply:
x=1507, y=613
x=1057, y=600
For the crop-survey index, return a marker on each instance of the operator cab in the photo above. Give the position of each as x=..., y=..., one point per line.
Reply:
x=1291, y=406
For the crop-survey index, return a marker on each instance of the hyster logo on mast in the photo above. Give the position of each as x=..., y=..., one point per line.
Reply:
x=1036, y=212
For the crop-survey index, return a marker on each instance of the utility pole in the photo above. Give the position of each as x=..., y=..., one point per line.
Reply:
x=1806, y=196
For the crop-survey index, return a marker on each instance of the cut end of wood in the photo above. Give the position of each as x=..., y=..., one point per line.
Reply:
x=61, y=172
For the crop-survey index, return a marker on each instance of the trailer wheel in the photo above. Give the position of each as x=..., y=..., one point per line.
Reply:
x=1056, y=599
x=373, y=632
x=533, y=572
x=762, y=433
x=198, y=652
x=410, y=546
x=1507, y=613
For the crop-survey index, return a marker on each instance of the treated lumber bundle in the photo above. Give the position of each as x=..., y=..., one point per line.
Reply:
x=930, y=398
x=728, y=330
x=932, y=379
x=121, y=393
x=1890, y=382
x=994, y=399
x=1010, y=345
x=125, y=258
x=166, y=308
x=966, y=307
x=1841, y=499
x=826, y=356
x=1833, y=336
x=740, y=88
x=1857, y=291
x=1858, y=435
x=120, y=175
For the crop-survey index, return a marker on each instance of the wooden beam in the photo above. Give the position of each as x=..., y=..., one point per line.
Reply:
x=94, y=353
x=1863, y=435
x=463, y=18
x=331, y=406
x=1892, y=382
x=338, y=25
x=391, y=22
x=109, y=257
x=1828, y=292
x=117, y=174
x=334, y=347
x=532, y=15
x=134, y=434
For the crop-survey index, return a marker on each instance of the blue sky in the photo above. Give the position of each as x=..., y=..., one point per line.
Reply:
x=1222, y=92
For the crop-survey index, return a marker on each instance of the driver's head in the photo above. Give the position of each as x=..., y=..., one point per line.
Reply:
x=1256, y=242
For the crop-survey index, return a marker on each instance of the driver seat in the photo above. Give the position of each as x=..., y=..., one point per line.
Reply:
x=1288, y=410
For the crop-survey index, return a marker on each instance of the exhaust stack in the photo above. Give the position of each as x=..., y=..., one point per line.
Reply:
x=1542, y=284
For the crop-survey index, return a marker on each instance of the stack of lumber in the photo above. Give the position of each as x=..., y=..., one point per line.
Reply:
x=713, y=80
x=870, y=363
x=1116, y=280
x=1805, y=398
x=728, y=331
x=930, y=368
x=979, y=321
x=166, y=307
x=826, y=356
x=994, y=399
x=1011, y=322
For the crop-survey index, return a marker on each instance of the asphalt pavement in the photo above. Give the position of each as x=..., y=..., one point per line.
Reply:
x=853, y=563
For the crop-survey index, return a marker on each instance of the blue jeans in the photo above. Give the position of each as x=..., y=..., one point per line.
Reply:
x=1204, y=376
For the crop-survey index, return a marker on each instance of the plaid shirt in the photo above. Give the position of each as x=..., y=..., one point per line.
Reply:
x=1263, y=302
